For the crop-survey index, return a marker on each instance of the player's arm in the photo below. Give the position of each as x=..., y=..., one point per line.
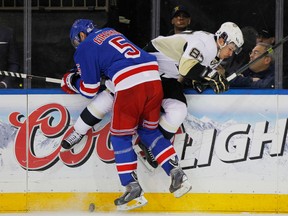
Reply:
x=87, y=79
x=192, y=70
x=72, y=83
x=69, y=80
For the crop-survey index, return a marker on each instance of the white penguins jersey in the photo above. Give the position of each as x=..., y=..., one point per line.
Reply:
x=180, y=52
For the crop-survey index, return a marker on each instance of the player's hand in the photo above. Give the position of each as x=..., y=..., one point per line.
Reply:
x=194, y=84
x=68, y=81
x=198, y=86
x=217, y=82
x=73, y=70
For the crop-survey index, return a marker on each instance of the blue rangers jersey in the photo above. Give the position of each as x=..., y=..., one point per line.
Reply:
x=106, y=52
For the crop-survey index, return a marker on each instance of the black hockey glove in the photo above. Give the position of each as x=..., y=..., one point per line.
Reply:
x=193, y=84
x=217, y=82
x=198, y=86
x=209, y=77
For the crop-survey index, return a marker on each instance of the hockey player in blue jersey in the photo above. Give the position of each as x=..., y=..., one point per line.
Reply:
x=227, y=40
x=136, y=106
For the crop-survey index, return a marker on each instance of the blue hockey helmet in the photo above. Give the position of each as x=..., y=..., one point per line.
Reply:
x=81, y=25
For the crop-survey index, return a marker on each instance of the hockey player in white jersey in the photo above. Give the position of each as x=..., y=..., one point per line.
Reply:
x=189, y=55
x=197, y=54
x=195, y=57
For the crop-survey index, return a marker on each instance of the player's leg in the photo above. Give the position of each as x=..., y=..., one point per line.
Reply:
x=89, y=117
x=126, y=164
x=127, y=108
x=174, y=108
x=166, y=157
x=162, y=148
x=175, y=112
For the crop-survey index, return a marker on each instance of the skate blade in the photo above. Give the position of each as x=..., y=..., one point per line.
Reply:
x=185, y=188
x=64, y=150
x=138, y=151
x=136, y=203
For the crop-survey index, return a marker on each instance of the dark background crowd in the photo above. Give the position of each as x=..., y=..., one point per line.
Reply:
x=45, y=50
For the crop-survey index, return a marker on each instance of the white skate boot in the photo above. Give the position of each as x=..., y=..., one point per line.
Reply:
x=132, y=198
x=73, y=139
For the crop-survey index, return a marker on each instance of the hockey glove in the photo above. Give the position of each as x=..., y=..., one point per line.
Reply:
x=198, y=86
x=68, y=82
x=217, y=82
x=193, y=84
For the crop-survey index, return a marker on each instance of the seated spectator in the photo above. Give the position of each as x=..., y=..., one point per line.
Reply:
x=180, y=20
x=233, y=63
x=266, y=36
x=9, y=59
x=260, y=74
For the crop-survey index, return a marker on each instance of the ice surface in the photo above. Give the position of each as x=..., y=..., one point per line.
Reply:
x=135, y=214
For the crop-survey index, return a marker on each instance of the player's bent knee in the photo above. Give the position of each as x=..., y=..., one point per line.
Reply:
x=174, y=116
x=101, y=105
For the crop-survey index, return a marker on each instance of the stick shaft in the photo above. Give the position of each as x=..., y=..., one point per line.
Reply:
x=27, y=76
x=245, y=67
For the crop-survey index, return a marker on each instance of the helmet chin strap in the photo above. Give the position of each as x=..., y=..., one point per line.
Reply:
x=220, y=47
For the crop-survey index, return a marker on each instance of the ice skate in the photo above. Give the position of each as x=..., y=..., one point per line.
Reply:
x=142, y=158
x=132, y=198
x=148, y=155
x=179, y=182
x=73, y=139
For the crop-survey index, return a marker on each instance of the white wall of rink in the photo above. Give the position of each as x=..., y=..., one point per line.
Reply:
x=233, y=148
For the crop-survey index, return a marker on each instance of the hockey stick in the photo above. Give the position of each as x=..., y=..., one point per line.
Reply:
x=245, y=67
x=27, y=76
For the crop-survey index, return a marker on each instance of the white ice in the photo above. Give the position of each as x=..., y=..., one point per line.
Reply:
x=136, y=214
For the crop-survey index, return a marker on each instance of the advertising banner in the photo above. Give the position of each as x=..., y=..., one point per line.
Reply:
x=228, y=144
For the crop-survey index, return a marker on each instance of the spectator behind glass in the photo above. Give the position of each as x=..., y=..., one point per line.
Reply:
x=266, y=36
x=9, y=59
x=180, y=20
x=261, y=73
x=233, y=63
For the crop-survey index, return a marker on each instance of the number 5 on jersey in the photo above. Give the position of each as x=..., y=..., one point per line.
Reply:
x=123, y=46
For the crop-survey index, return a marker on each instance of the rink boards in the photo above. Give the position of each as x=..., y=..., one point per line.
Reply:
x=232, y=146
